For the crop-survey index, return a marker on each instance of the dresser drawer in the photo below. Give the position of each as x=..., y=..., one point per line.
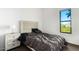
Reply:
x=12, y=45
x=12, y=36
x=11, y=41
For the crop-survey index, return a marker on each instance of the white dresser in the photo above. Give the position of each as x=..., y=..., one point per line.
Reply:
x=11, y=40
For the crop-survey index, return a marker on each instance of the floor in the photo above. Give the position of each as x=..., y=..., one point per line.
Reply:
x=70, y=47
x=20, y=48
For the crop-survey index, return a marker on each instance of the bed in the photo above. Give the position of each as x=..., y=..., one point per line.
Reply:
x=36, y=40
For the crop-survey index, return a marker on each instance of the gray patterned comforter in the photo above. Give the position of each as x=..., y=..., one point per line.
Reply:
x=45, y=42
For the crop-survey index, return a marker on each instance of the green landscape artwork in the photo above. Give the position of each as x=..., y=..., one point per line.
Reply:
x=65, y=21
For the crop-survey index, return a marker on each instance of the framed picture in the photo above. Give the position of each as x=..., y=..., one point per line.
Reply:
x=65, y=21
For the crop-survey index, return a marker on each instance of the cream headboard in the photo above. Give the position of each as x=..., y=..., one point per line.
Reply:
x=26, y=26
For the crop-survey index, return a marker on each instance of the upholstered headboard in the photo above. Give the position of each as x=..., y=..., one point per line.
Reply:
x=26, y=26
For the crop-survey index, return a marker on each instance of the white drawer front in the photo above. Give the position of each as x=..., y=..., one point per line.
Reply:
x=12, y=45
x=11, y=37
x=11, y=41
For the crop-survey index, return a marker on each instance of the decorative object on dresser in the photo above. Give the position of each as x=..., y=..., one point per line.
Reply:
x=11, y=40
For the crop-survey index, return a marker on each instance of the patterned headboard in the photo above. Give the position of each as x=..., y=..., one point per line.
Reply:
x=26, y=26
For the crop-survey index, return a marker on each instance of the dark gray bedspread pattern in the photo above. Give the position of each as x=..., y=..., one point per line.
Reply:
x=45, y=42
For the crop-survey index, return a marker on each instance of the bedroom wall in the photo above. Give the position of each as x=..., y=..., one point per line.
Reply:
x=9, y=18
x=51, y=24
x=32, y=14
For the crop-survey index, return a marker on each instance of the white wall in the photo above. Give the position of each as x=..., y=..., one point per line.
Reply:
x=51, y=24
x=32, y=14
x=9, y=18
x=50, y=21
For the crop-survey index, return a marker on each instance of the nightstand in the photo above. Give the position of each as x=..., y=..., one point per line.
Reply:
x=11, y=40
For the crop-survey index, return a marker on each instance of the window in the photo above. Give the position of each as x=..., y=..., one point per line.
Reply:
x=65, y=21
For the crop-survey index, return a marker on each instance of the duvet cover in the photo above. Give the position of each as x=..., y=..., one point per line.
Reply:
x=44, y=41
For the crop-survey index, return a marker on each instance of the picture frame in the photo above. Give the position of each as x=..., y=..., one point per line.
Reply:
x=65, y=21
